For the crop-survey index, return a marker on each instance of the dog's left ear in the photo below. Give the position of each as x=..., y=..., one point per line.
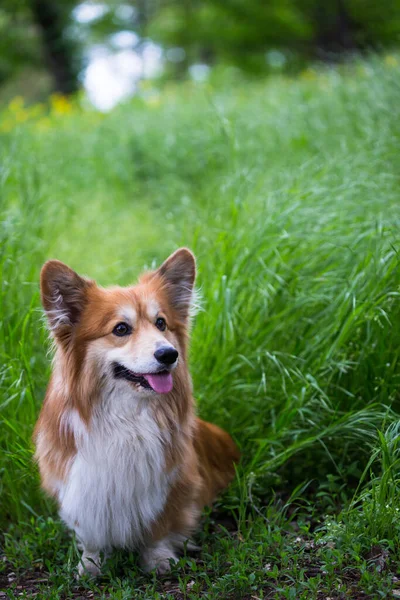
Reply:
x=178, y=273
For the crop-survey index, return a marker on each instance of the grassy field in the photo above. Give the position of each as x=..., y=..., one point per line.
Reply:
x=288, y=192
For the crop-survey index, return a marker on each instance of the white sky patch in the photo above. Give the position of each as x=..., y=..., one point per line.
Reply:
x=113, y=76
x=89, y=11
x=276, y=59
x=112, y=73
x=125, y=12
x=124, y=40
x=199, y=72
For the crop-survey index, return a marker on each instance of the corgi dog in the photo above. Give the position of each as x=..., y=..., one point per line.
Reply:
x=118, y=442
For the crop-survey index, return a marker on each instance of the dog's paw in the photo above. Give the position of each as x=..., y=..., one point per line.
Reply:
x=158, y=558
x=89, y=566
x=164, y=565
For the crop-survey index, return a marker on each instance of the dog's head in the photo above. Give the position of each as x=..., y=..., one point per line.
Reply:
x=135, y=336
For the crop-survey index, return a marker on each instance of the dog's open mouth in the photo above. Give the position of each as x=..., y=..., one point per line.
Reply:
x=160, y=382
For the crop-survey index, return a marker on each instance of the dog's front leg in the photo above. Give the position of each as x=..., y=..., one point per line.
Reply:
x=158, y=555
x=89, y=563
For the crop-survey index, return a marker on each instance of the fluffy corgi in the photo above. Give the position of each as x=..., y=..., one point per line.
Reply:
x=117, y=441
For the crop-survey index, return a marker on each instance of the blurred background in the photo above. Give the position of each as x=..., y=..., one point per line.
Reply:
x=106, y=48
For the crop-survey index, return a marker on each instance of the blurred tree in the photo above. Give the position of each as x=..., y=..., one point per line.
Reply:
x=233, y=30
x=18, y=39
x=44, y=34
x=35, y=34
x=241, y=31
x=340, y=26
x=60, y=48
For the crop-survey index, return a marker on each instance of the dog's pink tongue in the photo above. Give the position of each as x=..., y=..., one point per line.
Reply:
x=160, y=382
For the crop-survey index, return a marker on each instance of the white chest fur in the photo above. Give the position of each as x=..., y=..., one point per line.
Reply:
x=117, y=484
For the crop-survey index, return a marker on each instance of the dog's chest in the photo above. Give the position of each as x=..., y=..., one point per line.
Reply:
x=117, y=484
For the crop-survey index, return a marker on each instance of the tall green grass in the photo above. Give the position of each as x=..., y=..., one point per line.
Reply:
x=288, y=193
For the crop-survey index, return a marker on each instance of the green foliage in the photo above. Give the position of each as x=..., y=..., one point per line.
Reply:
x=287, y=192
x=36, y=36
x=18, y=42
x=40, y=35
x=241, y=32
x=373, y=516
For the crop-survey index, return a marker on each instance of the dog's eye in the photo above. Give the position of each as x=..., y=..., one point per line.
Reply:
x=122, y=329
x=161, y=324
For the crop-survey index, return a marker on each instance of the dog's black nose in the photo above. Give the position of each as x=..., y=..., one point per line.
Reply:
x=166, y=355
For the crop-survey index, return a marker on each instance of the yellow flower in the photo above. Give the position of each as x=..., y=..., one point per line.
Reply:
x=21, y=116
x=60, y=105
x=16, y=104
x=391, y=61
x=6, y=125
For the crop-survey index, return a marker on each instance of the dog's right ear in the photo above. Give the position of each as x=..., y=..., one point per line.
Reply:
x=63, y=294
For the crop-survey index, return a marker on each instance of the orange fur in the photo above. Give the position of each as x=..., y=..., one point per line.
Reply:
x=82, y=316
